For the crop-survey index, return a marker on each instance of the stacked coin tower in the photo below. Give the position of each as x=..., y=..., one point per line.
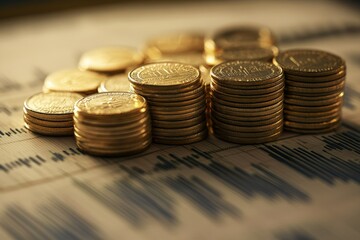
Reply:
x=50, y=113
x=315, y=83
x=175, y=94
x=112, y=123
x=247, y=101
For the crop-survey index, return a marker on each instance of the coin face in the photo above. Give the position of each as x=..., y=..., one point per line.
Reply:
x=73, y=80
x=118, y=83
x=310, y=62
x=245, y=72
x=164, y=74
x=110, y=103
x=110, y=59
x=57, y=103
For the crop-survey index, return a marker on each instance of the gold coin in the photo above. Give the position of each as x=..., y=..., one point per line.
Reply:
x=48, y=106
x=110, y=59
x=116, y=83
x=239, y=36
x=177, y=110
x=312, y=119
x=234, y=129
x=50, y=131
x=247, y=92
x=246, y=99
x=46, y=123
x=241, y=54
x=276, y=81
x=248, y=121
x=308, y=62
x=178, y=132
x=233, y=133
x=198, y=99
x=193, y=58
x=246, y=118
x=313, y=108
x=315, y=90
x=73, y=80
x=314, y=114
x=178, y=124
x=94, y=136
x=216, y=105
x=335, y=94
x=315, y=85
x=175, y=44
x=155, y=91
x=245, y=73
x=181, y=140
x=173, y=97
x=111, y=104
x=248, y=105
x=178, y=116
x=313, y=131
x=310, y=103
x=238, y=112
x=317, y=79
x=312, y=126
x=248, y=140
x=164, y=75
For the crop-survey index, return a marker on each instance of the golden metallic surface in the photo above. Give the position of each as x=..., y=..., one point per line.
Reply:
x=46, y=123
x=239, y=36
x=252, y=120
x=313, y=119
x=110, y=59
x=169, y=74
x=175, y=44
x=195, y=100
x=248, y=99
x=243, y=110
x=248, y=140
x=181, y=140
x=247, y=92
x=251, y=135
x=241, y=54
x=178, y=123
x=313, y=108
x=248, y=121
x=312, y=126
x=177, y=110
x=142, y=134
x=116, y=83
x=230, y=111
x=316, y=98
x=193, y=58
x=315, y=90
x=310, y=103
x=110, y=103
x=179, y=116
x=317, y=79
x=51, y=106
x=235, y=129
x=50, y=131
x=177, y=91
x=327, y=84
x=313, y=131
x=248, y=104
x=178, y=131
x=309, y=62
x=73, y=80
x=315, y=114
x=246, y=73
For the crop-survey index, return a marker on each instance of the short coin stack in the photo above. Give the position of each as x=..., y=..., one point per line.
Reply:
x=247, y=101
x=315, y=83
x=112, y=123
x=50, y=113
x=175, y=94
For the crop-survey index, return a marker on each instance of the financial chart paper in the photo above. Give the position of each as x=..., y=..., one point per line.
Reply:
x=298, y=187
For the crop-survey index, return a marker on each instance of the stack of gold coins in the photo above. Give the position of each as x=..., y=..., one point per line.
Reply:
x=112, y=124
x=115, y=83
x=315, y=83
x=176, y=97
x=245, y=43
x=247, y=101
x=50, y=113
x=111, y=60
x=184, y=47
x=73, y=80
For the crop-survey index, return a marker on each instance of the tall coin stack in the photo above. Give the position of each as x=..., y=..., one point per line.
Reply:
x=247, y=101
x=176, y=98
x=315, y=83
x=112, y=124
x=50, y=113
